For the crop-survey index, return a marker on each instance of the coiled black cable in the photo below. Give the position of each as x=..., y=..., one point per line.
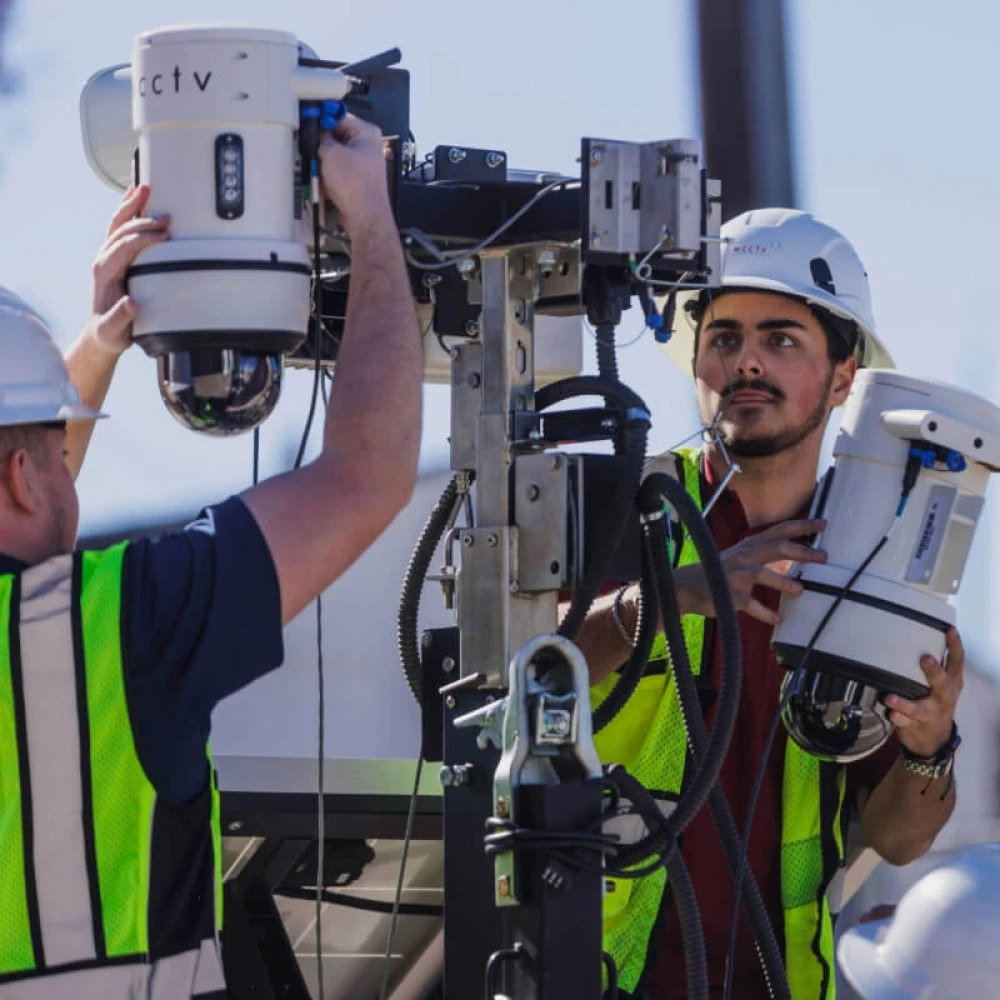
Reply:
x=607, y=357
x=655, y=542
x=413, y=582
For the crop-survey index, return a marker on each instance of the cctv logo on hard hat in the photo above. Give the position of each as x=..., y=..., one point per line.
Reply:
x=755, y=249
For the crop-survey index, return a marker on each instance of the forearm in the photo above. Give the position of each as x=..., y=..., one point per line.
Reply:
x=373, y=418
x=599, y=639
x=905, y=812
x=91, y=368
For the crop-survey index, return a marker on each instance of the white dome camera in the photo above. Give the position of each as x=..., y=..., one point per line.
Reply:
x=208, y=117
x=901, y=502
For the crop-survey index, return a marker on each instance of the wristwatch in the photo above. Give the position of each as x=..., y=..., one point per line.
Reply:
x=938, y=764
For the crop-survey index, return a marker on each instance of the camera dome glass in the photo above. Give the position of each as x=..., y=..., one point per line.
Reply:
x=220, y=391
x=832, y=717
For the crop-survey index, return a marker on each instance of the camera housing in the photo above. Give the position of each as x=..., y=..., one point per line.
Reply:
x=214, y=130
x=911, y=465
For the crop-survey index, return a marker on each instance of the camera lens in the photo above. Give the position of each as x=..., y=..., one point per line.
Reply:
x=220, y=391
x=832, y=717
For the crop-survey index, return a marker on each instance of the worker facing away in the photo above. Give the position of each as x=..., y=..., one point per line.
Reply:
x=112, y=661
x=941, y=941
x=773, y=352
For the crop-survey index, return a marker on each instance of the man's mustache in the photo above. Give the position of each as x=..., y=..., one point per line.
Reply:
x=752, y=385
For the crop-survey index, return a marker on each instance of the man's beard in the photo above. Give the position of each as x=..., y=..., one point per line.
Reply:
x=772, y=444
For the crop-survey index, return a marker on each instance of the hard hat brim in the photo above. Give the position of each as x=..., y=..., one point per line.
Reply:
x=859, y=961
x=44, y=415
x=680, y=347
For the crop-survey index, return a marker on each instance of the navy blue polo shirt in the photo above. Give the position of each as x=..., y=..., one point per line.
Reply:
x=201, y=618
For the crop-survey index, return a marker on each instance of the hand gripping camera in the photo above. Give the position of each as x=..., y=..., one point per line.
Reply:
x=902, y=500
x=209, y=118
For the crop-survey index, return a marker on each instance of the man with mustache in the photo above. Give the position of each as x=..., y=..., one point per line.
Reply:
x=772, y=352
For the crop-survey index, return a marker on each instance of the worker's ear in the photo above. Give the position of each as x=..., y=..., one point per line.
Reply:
x=20, y=476
x=843, y=379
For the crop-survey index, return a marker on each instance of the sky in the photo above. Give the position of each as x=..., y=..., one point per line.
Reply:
x=893, y=145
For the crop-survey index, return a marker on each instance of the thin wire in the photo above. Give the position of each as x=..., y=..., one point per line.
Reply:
x=745, y=844
x=256, y=455
x=407, y=837
x=321, y=804
x=628, y=343
x=452, y=261
x=320, y=749
x=319, y=351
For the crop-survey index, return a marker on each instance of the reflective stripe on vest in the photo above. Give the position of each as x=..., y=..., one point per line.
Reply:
x=649, y=738
x=76, y=808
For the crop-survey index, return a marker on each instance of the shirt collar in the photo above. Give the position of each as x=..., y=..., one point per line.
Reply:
x=727, y=518
x=8, y=564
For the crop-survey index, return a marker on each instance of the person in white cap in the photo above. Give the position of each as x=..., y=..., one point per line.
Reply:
x=112, y=661
x=773, y=352
x=941, y=943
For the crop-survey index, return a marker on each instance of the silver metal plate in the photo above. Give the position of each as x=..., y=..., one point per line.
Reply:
x=540, y=511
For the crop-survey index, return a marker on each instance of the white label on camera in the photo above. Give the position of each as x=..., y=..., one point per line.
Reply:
x=932, y=530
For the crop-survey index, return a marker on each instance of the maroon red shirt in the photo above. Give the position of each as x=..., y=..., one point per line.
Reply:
x=702, y=849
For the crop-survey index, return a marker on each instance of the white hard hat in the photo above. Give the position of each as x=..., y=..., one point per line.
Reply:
x=34, y=384
x=941, y=944
x=789, y=252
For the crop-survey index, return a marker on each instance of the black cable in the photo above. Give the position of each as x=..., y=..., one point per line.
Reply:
x=712, y=753
x=762, y=769
x=745, y=849
x=607, y=357
x=413, y=582
x=611, y=993
x=361, y=903
x=397, y=899
x=256, y=455
x=321, y=692
x=698, y=737
x=695, y=956
x=321, y=804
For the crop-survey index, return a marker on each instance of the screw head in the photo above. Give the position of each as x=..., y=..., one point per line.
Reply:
x=468, y=540
x=450, y=701
x=534, y=492
x=596, y=155
x=456, y=155
x=448, y=664
x=492, y=540
x=474, y=380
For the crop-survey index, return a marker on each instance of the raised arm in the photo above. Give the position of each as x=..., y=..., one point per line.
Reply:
x=92, y=358
x=319, y=519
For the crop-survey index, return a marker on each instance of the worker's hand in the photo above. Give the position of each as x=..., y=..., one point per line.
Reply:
x=925, y=726
x=352, y=164
x=129, y=233
x=759, y=561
